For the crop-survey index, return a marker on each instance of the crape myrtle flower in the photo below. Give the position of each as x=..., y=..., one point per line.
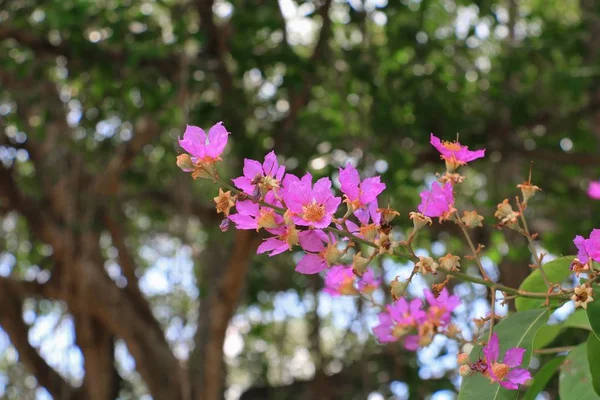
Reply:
x=588, y=248
x=506, y=373
x=368, y=283
x=339, y=281
x=398, y=319
x=454, y=153
x=358, y=194
x=594, y=190
x=437, y=202
x=322, y=251
x=286, y=237
x=258, y=179
x=251, y=215
x=203, y=151
x=441, y=307
x=309, y=205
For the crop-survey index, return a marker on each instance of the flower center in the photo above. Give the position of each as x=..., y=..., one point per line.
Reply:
x=500, y=370
x=454, y=146
x=313, y=212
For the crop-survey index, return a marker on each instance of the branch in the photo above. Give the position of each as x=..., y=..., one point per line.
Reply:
x=92, y=53
x=217, y=43
x=299, y=100
x=146, y=131
x=11, y=298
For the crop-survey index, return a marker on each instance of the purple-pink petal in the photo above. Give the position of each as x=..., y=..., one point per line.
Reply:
x=371, y=188
x=594, y=190
x=243, y=221
x=311, y=264
x=518, y=375
x=252, y=169
x=491, y=350
x=514, y=357
x=194, y=141
x=271, y=244
x=311, y=241
x=217, y=140
x=349, y=181
x=411, y=342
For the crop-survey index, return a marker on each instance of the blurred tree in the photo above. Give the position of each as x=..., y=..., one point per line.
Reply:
x=94, y=94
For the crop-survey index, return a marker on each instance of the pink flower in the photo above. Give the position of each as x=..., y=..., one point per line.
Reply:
x=265, y=176
x=440, y=308
x=285, y=238
x=399, y=318
x=368, y=283
x=202, y=149
x=588, y=248
x=594, y=190
x=359, y=194
x=340, y=281
x=506, y=372
x=322, y=252
x=367, y=230
x=438, y=201
x=454, y=153
x=251, y=216
x=310, y=205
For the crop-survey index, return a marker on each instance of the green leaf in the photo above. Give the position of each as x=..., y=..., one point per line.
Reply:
x=556, y=271
x=575, y=381
x=593, y=313
x=542, y=378
x=593, y=354
x=517, y=330
x=548, y=333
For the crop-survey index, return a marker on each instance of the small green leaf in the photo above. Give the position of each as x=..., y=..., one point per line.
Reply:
x=548, y=333
x=516, y=330
x=593, y=354
x=575, y=381
x=593, y=313
x=556, y=271
x=542, y=378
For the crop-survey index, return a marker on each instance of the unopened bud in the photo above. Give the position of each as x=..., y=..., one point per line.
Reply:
x=185, y=163
x=359, y=264
x=224, y=225
x=398, y=288
x=471, y=219
x=463, y=359
x=465, y=371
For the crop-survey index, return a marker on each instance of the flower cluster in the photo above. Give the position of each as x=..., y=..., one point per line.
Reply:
x=417, y=326
x=340, y=234
x=507, y=372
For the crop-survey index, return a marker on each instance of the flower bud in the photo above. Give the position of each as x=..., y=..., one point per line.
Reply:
x=224, y=225
x=185, y=163
x=224, y=201
x=465, y=371
x=398, y=288
x=463, y=359
x=471, y=219
x=359, y=264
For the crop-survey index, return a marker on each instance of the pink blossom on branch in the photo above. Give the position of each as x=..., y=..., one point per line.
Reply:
x=441, y=307
x=252, y=216
x=454, y=153
x=437, y=202
x=506, y=373
x=322, y=252
x=588, y=248
x=204, y=149
x=265, y=176
x=399, y=318
x=359, y=194
x=309, y=205
x=594, y=190
x=340, y=281
x=285, y=238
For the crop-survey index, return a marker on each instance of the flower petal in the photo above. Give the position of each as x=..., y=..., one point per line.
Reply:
x=194, y=141
x=518, y=375
x=217, y=140
x=311, y=264
x=310, y=241
x=514, y=357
